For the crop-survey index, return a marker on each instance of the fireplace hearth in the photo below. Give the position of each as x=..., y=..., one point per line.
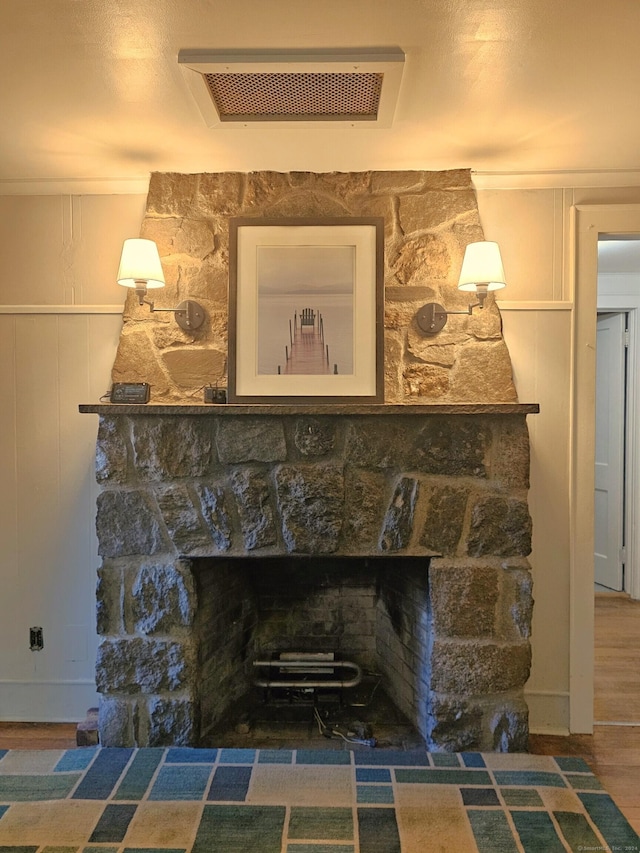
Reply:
x=392, y=536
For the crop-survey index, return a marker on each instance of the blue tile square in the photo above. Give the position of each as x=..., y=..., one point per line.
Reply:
x=181, y=782
x=186, y=755
x=373, y=774
x=237, y=756
x=472, y=759
x=322, y=756
x=76, y=759
x=275, y=756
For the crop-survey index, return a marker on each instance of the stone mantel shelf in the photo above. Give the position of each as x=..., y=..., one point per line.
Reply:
x=351, y=409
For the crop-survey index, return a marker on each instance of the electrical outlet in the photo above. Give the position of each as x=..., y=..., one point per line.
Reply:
x=36, y=639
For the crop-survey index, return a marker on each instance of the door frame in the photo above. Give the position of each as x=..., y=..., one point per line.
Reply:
x=586, y=224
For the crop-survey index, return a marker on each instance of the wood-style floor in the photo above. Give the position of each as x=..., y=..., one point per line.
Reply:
x=612, y=752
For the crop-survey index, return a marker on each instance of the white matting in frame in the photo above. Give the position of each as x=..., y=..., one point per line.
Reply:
x=306, y=309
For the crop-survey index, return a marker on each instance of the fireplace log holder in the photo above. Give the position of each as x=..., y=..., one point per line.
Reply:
x=308, y=670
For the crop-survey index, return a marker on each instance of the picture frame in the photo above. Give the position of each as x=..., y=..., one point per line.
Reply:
x=306, y=310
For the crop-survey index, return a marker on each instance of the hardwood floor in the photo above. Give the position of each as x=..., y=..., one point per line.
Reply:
x=613, y=751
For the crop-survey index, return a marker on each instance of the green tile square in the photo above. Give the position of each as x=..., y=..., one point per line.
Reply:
x=445, y=759
x=522, y=797
x=320, y=848
x=375, y=794
x=240, y=829
x=275, y=756
x=491, y=831
x=326, y=824
x=584, y=782
x=322, y=756
x=572, y=764
x=531, y=778
x=20, y=789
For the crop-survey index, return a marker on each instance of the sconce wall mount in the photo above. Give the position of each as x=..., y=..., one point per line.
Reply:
x=481, y=272
x=140, y=269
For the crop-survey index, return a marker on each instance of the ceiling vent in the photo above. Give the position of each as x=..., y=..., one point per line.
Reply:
x=294, y=89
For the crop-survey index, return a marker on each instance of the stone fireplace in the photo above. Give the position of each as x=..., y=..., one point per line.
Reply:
x=395, y=534
x=400, y=531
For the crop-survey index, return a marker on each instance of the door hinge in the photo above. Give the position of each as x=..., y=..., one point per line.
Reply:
x=626, y=338
x=622, y=555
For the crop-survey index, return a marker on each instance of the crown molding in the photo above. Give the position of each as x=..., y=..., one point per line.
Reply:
x=561, y=179
x=75, y=186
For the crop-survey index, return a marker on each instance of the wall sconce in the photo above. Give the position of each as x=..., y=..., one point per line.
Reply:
x=141, y=269
x=481, y=272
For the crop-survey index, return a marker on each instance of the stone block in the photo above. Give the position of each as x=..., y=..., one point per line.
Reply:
x=510, y=459
x=212, y=507
x=310, y=503
x=165, y=448
x=259, y=440
x=453, y=725
x=172, y=722
x=109, y=615
x=187, y=365
x=171, y=193
x=183, y=522
x=422, y=258
x=451, y=446
x=115, y=722
x=444, y=521
x=254, y=508
x=111, y=451
x=138, y=665
x=126, y=524
x=463, y=600
x=378, y=445
x=433, y=208
x=314, y=436
x=364, y=508
x=475, y=667
x=163, y=599
x=397, y=527
x=509, y=727
x=500, y=526
x=483, y=372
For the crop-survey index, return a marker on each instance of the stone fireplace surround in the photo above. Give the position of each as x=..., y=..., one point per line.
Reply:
x=429, y=500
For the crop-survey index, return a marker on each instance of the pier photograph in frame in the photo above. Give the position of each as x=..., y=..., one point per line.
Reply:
x=305, y=310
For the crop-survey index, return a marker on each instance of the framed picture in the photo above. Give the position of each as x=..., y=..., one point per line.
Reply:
x=306, y=310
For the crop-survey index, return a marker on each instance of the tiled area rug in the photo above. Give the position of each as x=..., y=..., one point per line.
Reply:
x=302, y=801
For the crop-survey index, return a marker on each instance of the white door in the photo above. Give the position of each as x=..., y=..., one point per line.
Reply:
x=609, y=473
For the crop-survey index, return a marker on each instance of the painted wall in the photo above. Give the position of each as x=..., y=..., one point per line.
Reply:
x=59, y=326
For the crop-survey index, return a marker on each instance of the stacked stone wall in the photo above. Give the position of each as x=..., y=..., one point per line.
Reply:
x=429, y=218
x=453, y=635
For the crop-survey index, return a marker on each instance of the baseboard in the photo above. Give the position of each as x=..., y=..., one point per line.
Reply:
x=548, y=712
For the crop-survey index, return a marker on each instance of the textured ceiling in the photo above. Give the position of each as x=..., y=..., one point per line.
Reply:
x=92, y=88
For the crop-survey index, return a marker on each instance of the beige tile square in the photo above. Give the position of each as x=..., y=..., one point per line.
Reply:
x=445, y=796
x=560, y=799
x=433, y=828
x=164, y=824
x=26, y=761
x=59, y=822
x=519, y=761
x=304, y=785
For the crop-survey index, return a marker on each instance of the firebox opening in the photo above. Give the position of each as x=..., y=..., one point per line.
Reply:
x=316, y=641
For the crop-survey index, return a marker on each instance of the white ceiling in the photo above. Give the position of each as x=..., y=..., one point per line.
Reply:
x=92, y=88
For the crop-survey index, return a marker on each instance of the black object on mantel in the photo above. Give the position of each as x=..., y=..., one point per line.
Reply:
x=130, y=392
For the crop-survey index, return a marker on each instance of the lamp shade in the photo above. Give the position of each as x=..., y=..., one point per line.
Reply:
x=482, y=267
x=140, y=262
